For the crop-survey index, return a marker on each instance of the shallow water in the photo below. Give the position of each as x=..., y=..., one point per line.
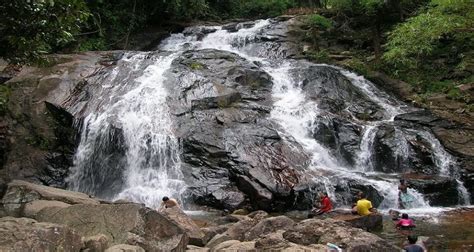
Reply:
x=448, y=231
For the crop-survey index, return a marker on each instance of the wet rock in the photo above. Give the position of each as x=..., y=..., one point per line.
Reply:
x=118, y=222
x=23, y=234
x=269, y=225
x=342, y=137
x=19, y=193
x=333, y=92
x=430, y=186
x=233, y=152
x=425, y=118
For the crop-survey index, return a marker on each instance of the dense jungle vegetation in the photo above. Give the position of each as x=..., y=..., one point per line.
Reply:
x=427, y=43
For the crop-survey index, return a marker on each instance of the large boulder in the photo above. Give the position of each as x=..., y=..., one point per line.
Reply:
x=269, y=225
x=179, y=218
x=322, y=231
x=122, y=224
x=372, y=222
x=23, y=196
x=23, y=234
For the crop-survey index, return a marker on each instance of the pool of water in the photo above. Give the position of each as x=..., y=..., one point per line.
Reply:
x=447, y=231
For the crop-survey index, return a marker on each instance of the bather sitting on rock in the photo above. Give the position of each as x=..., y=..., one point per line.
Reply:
x=363, y=206
x=324, y=205
x=405, y=222
x=168, y=203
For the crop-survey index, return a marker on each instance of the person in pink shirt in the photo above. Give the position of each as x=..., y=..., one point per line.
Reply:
x=405, y=222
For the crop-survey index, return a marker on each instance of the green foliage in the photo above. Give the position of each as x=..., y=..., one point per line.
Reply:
x=29, y=29
x=319, y=21
x=320, y=56
x=249, y=8
x=421, y=36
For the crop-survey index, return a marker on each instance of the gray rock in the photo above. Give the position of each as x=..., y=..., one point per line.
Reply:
x=269, y=225
x=23, y=234
x=124, y=248
x=224, y=245
x=178, y=217
x=121, y=223
x=273, y=241
x=372, y=222
x=241, y=246
x=322, y=231
x=217, y=239
x=96, y=243
x=19, y=193
x=34, y=207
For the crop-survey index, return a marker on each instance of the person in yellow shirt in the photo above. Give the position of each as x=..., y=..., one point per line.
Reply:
x=363, y=206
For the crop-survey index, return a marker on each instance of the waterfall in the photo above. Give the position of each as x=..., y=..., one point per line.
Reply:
x=147, y=155
x=131, y=111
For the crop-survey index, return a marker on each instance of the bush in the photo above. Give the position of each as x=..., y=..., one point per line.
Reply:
x=319, y=21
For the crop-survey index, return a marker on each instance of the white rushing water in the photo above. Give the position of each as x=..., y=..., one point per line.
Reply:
x=152, y=165
x=152, y=153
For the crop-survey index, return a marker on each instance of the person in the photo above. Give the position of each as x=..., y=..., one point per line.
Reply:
x=324, y=206
x=404, y=198
x=168, y=203
x=405, y=222
x=363, y=206
x=412, y=246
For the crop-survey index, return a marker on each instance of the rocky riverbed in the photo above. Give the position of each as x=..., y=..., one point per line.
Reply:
x=43, y=218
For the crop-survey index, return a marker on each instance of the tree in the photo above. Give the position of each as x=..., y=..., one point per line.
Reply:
x=29, y=29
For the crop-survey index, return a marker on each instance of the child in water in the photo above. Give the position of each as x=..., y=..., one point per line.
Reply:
x=405, y=222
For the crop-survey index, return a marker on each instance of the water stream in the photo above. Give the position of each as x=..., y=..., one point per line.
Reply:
x=133, y=106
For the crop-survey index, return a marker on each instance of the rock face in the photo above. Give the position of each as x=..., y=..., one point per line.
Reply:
x=23, y=196
x=231, y=148
x=121, y=223
x=39, y=138
x=23, y=234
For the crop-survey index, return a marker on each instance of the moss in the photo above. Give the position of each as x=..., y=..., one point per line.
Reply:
x=196, y=66
x=5, y=93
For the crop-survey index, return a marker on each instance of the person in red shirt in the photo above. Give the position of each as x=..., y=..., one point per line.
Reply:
x=324, y=206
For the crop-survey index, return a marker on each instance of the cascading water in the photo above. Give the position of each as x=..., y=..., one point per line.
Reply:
x=133, y=111
x=139, y=119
